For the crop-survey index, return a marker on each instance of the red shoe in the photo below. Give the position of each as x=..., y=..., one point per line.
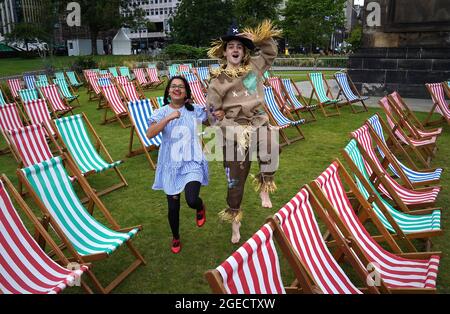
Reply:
x=200, y=217
x=176, y=246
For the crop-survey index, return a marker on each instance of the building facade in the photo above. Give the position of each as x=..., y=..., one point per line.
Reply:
x=18, y=11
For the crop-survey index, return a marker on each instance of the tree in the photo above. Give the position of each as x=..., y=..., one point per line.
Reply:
x=250, y=12
x=25, y=32
x=311, y=22
x=197, y=22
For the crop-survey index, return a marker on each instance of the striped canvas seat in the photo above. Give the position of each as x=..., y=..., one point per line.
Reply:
x=38, y=113
x=113, y=98
x=413, y=176
x=104, y=81
x=287, y=83
x=24, y=267
x=153, y=76
x=407, y=196
x=190, y=77
x=73, y=80
x=407, y=222
x=130, y=91
x=40, y=84
x=275, y=82
x=75, y=137
x=106, y=75
x=203, y=73
x=272, y=105
x=317, y=81
x=441, y=105
x=55, y=100
x=85, y=233
x=140, y=76
x=113, y=71
x=60, y=76
x=42, y=78
x=395, y=271
x=298, y=222
x=197, y=93
x=140, y=113
x=14, y=87
x=2, y=98
x=28, y=94
x=125, y=71
x=10, y=117
x=122, y=79
x=348, y=93
x=160, y=101
x=65, y=89
x=254, y=268
x=93, y=82
x=173, y=70
x=30, y=81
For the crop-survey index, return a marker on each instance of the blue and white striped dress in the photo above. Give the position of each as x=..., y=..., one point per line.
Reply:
x=180, y=159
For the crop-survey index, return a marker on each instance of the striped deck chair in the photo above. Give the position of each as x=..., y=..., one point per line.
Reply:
x=115, y=104
x=412, y=174
x=275, y=83
x=198, y=93
x=299, y=230
x=384, y=182
x=74, y=79
x=66, y=91
x=40, y=84
x=85, y=238
x=172, y=70
x=140, y=112
x=157, y=102
x=397, y=272
x=42, y=78
x=30, y=81
x=190, y=77
x=28, y=95
x=440, y=105
x=94, y=89
x=26, y=268
x=423, y=148
x=60, y=75
x=37, y=112
x=349, y=91
x=203, y=75
x=403, y=226
x=3, y=97
x=186, y=68
x=14, y=86
x=154, y=77
x=141, y=78
x=253, y=269
x=113, y=71
x=130, y=91
x=74, y=137
x=125, y=71
x=58, y=104
x=10, y=119
x=104, y=81
x=323, y=94
x=408, y=115
x=122, y=79
x=295, y=98
x=281, y=118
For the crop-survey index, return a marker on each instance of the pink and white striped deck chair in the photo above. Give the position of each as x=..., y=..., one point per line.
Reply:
x=94, y=88
x=14, y=86
x=184, y=68
x=253, y=269
x=115, y=103
x=440, y=105
x=399, y=273
x=141, y=78
x=424, y=148
x=10, y=119
x=26, y=268
x=37, y=112
x=57, y=103
x=130, y=92
x=384, y=182
x=153, y=77
x=198, y=93
x=275, y=82
x=122, y=79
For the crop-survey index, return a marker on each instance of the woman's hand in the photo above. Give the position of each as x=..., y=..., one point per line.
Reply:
x=174, y=115
x=219, y=114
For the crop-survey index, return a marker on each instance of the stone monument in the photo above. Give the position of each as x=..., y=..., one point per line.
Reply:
x=406, y=43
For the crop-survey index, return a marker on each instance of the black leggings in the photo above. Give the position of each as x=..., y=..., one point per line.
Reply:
x=191, y=191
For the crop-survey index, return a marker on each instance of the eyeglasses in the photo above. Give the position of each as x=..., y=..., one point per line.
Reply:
x=177, y=86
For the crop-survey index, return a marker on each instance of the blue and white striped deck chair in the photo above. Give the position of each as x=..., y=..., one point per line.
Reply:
x=416, y=177
x=279, y=119
x=203, y=75
x=125, y=71
x=318, y=89
x=104, y=81
x=190, y=77
x=348, y=89
x=113, y=71
x=30, y=81
x=214, y=66
x=294, y=100
x=140, y=112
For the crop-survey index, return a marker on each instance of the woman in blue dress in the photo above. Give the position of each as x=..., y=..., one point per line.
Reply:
x=182, y=165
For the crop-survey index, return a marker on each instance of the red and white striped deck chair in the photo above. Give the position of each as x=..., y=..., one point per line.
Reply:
x=10, y=119
x=397, y=101
x=153, y=77
x=122, y=79
x=141, y=78
x=253, y=269
x=37, y=112
x=198, y=93
x=423, y=148
x=57, y=103
x=130, y=92
x=399, y=273
x=14, y=86
x=184, y=68
x=115, y=103
x=94, y=88
x=384, y=182
x=26, y=268
x=299, y=230
x=275, y=82
x=440, y=105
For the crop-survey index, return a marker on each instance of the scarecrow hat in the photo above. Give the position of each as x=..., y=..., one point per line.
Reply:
x=232, y=34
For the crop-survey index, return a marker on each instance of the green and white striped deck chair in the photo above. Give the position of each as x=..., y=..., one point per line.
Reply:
x=173, y=70
x=404, y=225
x=28, y=95
x=125, y=71
x=60, y=75
x=74, y=137
x=113, y=71
x=73, y=80
x=42, y=78
x=3, y=99
x=86, y=239
x=66, y=91
x=323, y=93
x=40, y=84
x=158, y=102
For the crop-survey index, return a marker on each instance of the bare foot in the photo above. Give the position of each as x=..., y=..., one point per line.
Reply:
x=235, y=235
x=265, y=198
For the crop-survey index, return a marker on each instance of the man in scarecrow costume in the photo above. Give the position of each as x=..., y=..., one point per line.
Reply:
x=236, y=103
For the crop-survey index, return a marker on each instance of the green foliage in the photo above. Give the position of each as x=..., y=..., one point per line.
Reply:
x=84, y=62
x=355, y=38
x=251, y=13
x=182, y=52
x=25, y=32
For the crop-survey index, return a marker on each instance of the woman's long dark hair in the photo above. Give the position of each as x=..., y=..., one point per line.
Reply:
x=188, y=102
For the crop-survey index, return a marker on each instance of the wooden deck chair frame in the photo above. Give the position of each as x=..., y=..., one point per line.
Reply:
x=323, y=106
x=41, y=235
x=436, y=104
x=301, y=99
x=353, y=243
x=354, y=90
x=94, y=200
x=108, y=107
x=424, y=154
x=58, y=114
x=155, y=104
x=100, y=147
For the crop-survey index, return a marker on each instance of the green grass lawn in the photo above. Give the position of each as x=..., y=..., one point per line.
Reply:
x=207, y=247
